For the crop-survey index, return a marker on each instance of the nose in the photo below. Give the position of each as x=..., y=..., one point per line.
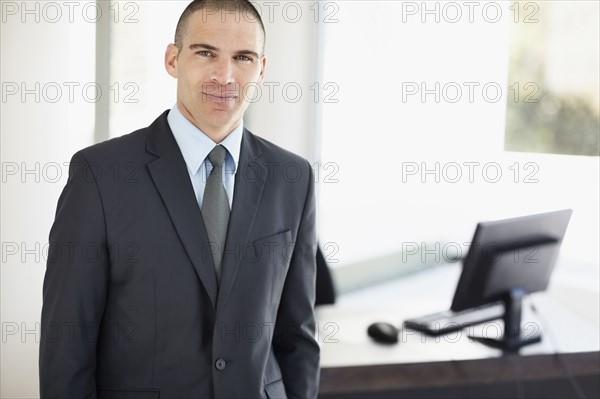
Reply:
x=223, y=72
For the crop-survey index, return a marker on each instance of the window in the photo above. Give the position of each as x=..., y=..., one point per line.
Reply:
x=553, y=103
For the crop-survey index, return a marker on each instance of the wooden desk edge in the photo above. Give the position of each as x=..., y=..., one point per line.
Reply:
x=337, y=380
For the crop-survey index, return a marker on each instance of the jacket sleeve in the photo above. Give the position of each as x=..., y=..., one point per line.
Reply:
x=294, y=344
x=74, y=291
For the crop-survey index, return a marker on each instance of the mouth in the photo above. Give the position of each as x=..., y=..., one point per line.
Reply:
x=221, y=98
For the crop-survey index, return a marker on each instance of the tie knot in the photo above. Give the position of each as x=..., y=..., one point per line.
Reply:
x=217, y=156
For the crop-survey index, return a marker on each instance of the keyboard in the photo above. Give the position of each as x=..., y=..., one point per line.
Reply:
x=449, y=321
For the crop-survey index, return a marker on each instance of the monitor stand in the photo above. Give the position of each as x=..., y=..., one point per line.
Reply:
x=512, y=340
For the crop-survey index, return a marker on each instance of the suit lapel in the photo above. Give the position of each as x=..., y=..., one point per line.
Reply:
x=170, y=175
x=250, y=178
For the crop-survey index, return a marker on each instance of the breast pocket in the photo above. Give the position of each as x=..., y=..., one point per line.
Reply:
x=272, y=255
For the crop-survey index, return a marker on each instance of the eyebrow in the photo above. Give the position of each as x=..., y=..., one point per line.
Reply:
x=196, y=46
x=202, y=45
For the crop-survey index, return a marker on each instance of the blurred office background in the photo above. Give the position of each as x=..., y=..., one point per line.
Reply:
x=420, y=118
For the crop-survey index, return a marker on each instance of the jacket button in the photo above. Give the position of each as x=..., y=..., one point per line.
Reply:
x=220, y=364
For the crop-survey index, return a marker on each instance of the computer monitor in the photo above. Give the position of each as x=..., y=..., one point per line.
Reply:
x=508, y=259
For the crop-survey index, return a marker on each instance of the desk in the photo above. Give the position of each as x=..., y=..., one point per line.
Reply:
x=353, y=366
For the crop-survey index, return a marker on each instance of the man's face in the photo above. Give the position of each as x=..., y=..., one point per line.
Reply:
x=217, y=69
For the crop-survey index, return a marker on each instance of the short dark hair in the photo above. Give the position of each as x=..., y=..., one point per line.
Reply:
x=244, y=7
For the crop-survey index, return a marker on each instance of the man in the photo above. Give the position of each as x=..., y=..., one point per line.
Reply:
x=182, y=261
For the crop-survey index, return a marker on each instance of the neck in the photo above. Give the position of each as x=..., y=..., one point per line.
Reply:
x=215, y=133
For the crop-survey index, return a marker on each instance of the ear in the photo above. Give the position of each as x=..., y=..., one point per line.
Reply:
x=263, y=65
x=171, y=60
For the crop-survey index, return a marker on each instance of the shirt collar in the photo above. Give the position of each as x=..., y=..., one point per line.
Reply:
x=195, y=144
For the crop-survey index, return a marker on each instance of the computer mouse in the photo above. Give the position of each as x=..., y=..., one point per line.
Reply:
x=383, y=332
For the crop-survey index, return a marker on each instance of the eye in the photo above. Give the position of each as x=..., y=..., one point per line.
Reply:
x=244, y=58
x=204, y=53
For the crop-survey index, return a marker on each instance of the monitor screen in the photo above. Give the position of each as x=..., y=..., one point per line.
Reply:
x=507, y=254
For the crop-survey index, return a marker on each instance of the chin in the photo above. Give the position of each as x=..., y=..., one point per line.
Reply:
x=219, y=120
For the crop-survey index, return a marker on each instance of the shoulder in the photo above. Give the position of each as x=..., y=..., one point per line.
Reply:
x=271, y=152
x=113, y=148
x=128, y=147
x=286, y=170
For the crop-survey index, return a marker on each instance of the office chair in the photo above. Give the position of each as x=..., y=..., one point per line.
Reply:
x=325, y=288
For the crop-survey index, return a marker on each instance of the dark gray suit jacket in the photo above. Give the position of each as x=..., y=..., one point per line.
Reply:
x=132, y=308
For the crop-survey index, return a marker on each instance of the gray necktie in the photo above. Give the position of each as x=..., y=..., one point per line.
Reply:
x=215, y=207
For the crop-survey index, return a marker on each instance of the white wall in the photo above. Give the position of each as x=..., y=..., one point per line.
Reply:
x=40, y=132
x=285, y=111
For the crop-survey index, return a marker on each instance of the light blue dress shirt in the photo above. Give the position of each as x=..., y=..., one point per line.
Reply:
x=195, y=146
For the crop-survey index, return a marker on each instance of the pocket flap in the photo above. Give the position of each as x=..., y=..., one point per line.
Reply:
x=273, y=246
